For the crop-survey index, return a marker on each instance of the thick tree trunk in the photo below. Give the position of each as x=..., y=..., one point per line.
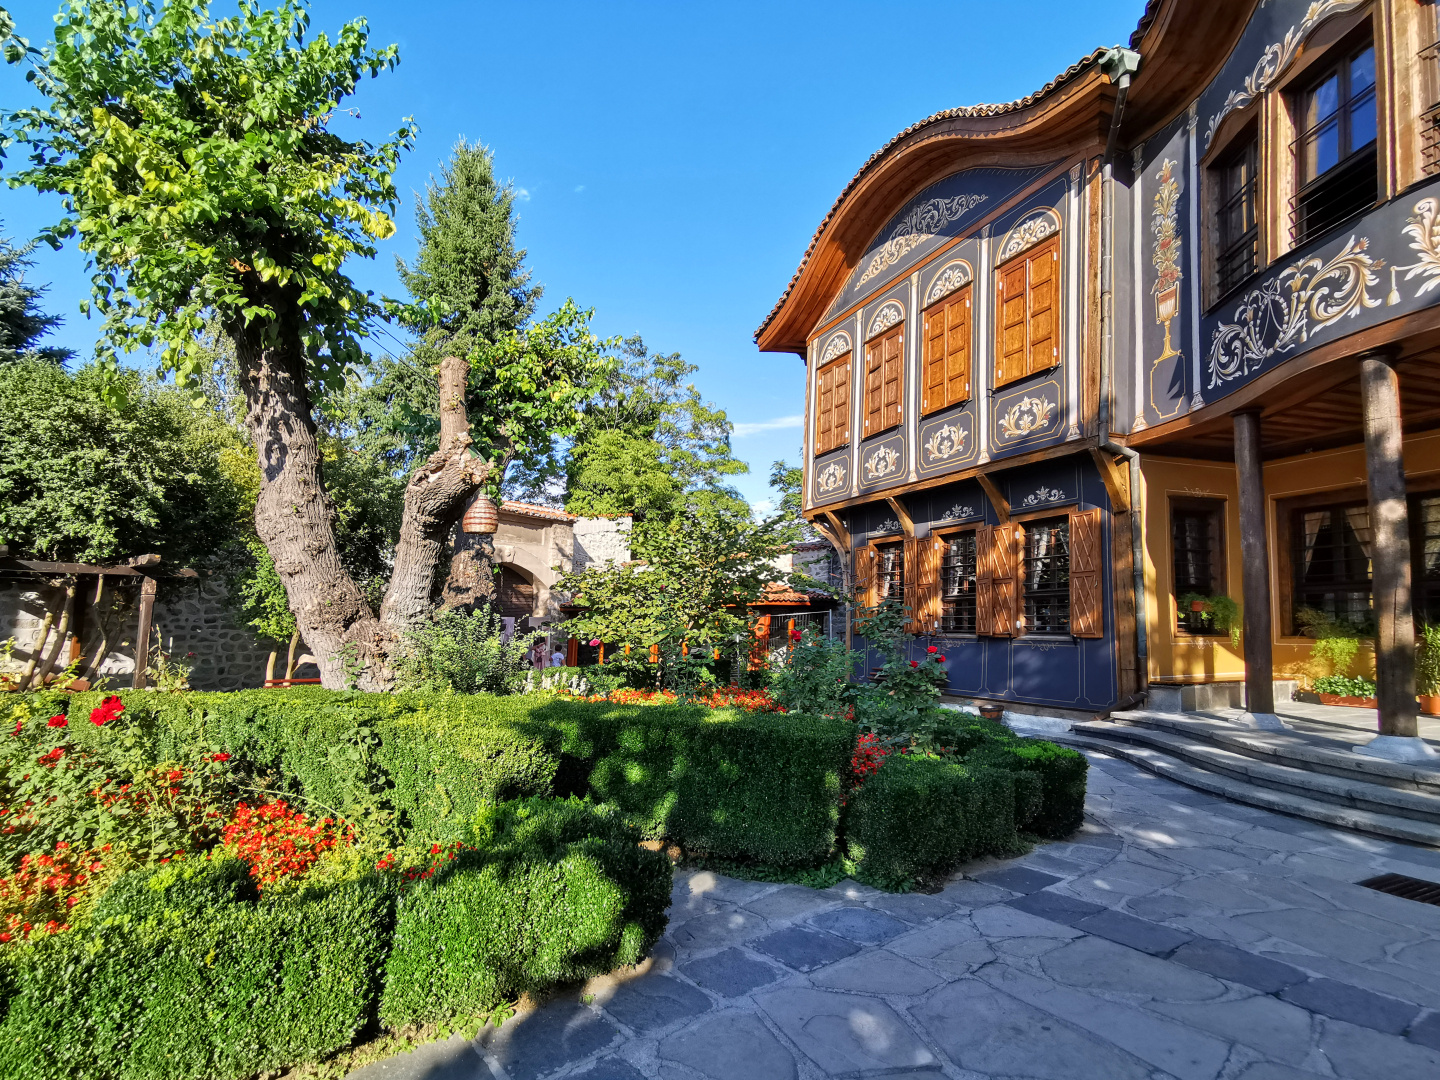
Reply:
x=295, y=518
x=471, y=583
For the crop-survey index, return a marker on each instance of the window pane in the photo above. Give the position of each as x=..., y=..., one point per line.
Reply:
x=1362, y=121
x=890, y=573
x=957, y=585
x=1426, y=514
x=1047, y=577
x=1324, y=100
x=1331, y=553
x=1362, y=72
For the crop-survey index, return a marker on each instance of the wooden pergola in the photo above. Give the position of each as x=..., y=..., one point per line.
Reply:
x=146, y=568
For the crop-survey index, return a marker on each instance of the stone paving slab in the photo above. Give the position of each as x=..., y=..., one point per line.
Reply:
x=1174, y=937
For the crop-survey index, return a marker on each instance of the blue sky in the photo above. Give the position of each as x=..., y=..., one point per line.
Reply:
x=672, y=159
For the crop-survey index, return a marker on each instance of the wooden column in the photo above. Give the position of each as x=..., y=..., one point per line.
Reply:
x=142, y=632
x=1389, y=548
x=1255, y=573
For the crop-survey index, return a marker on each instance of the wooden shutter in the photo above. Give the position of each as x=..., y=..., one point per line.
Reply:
x=984, y=579
x=927, y=587
x=840, y=425
x=1087, y=612
x=1043, y=307
x=1005, y=580
x=892, y=377
x=910, y=570
x=824, y=407
x=866, y=560
x=1010, y=357
x=874, y=386
x=832, y=409
x=947, y=353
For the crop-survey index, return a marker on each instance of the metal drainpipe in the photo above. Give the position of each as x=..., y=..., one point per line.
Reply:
x=1119, y=65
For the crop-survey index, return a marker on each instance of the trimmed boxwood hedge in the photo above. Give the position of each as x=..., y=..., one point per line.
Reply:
x=558, y=891
x=921, y=816
x=726, y=782
x=184, y=972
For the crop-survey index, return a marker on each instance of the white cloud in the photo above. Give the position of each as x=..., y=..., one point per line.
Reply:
x=762, y=509
x=579, y=188
x=778, y=424
x=522, y=194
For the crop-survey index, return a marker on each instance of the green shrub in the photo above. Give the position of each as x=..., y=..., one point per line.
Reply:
x=555, y=891
x=185, y=973
x=1061, y=772
x=465, y=652
x=1345, y=686
x=921, y=816
x=729, y=783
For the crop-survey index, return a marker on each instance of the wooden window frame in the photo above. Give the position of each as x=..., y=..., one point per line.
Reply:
x=1332, y=58
x=1214, y=201
x=1000, y=588
x=838, y=417
x=1219, y=507
x=942, y=538
x=882, y=415
x=1022, y=591
x=955, y=388
x=1036, y=360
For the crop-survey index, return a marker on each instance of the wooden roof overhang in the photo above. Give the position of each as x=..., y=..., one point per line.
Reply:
x=1183, y=44
x=1313, y=401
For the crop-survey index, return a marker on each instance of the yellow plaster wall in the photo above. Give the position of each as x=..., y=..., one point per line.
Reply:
x=1180, y=658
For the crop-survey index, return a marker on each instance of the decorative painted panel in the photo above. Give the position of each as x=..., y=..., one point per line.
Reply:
x=882, y=462
x=1026, y=416
x=832, y=479
x=837, y=344
x=941, y=212
x=1164, y=307
x=947, y=441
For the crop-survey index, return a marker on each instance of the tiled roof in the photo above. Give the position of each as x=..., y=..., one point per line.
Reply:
x=1083, y=64
x=536, y=510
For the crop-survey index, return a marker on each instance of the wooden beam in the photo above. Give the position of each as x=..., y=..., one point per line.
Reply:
x=140, y=561
x=1389, y=548
x=1255, y=568
x=142, y=633
x=902, y=514
x=1117, y=480
x=998, y=501
x=34, y=566
x=838, y=529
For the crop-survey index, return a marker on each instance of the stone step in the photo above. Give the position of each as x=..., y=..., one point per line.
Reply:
x=1389, y=826
x=1342, y=791
x=1295, y=749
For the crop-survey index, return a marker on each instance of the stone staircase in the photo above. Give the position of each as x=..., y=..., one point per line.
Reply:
x=1304, y=775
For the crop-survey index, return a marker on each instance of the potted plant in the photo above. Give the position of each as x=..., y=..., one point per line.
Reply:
x=1427, y=669
x=992, y=711
x=1208, y=613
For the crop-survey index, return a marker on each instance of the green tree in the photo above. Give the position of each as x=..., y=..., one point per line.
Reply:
x=22, y=323
x=201, y=163
x=788, y=481
x=87, y=478
x=691, y=577
x=646, y=439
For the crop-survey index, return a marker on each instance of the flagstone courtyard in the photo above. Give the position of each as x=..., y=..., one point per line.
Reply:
x=1177, y=935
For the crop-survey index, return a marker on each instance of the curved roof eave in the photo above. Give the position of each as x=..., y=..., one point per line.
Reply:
x=1076, y=69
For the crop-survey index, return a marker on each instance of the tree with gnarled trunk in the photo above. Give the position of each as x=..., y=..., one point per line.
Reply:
x=199, y=162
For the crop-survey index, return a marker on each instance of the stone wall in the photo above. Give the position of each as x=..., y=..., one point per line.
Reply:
x=196, y=629
x=599, y=541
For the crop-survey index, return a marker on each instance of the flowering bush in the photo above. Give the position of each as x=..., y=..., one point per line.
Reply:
x=277, y=842
x=39, y=897
x=54, y=790
x=720, y=697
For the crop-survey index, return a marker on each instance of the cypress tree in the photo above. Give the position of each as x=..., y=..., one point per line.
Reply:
x=22, y=323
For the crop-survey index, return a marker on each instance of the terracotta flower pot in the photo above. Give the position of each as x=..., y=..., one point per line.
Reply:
x=1430, y=704
x=1197, y=605
x=992, y=712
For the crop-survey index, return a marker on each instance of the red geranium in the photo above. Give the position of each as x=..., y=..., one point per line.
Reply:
x=277, y=842
x=107, y=710
x=222, y=756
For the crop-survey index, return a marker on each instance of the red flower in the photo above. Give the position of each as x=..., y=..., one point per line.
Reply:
x=435, y=849
x=56, y=721
x=107, y=710
x=941, y=659
x=594, y=641
x=931, y=649
x=220, y=757
x=795, y=635
x=914, y=663
x=176, y=774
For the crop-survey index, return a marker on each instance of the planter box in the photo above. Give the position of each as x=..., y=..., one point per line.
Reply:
x=1337, y=699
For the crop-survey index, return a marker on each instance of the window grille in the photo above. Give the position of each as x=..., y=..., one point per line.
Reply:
x=1047, y=576
x=1336, y=151
x=1239, y=228
x=890, y=573
x=957, y=585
